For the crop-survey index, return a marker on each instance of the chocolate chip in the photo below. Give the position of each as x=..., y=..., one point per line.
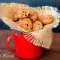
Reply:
x=15, y=20
x=27, y=24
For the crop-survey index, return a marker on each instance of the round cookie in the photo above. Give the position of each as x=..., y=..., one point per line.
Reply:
x=20, y=14
x=46, y=19
x=25, y=23
x=17, y=15
x=33, y=16
x=15, y=18
x=37, y=25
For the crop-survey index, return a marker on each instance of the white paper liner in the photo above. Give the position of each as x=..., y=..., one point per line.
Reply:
x=51, y=11
x=43, y=37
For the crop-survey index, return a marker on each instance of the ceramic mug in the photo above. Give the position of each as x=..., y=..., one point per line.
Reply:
x=23, y=48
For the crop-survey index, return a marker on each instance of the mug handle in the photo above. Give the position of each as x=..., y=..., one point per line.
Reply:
x=8, y=43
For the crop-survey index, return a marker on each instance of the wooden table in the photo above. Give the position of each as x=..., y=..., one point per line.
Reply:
x=52, y=54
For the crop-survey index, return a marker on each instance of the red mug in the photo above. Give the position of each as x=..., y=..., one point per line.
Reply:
x=23, y=48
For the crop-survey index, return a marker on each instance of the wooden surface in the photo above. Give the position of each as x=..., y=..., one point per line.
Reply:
x=52, y=54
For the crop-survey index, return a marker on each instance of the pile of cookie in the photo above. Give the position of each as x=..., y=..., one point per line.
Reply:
x=30, y=20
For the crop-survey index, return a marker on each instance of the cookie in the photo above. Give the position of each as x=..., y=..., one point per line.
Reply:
x=33, y=16
x=46, y=19
x=25, y=23
x=15, y=18
x=21, y=13
x=37, y=25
